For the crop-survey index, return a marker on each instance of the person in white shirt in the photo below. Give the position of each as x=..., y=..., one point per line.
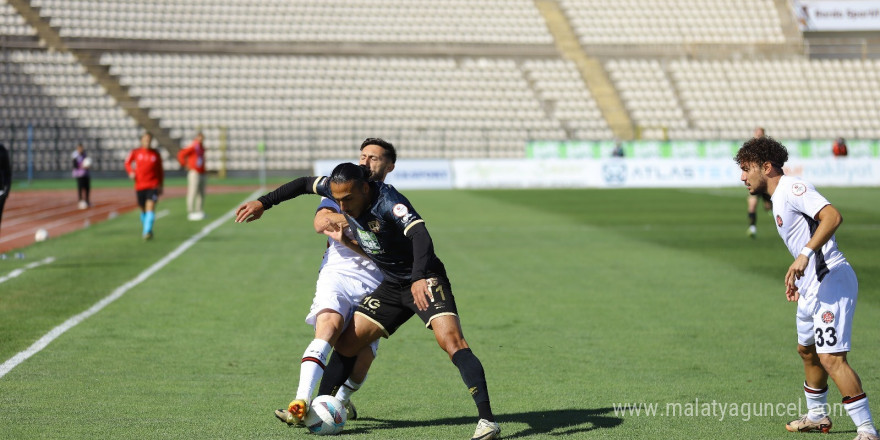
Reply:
x=346, y=276
x=821, y=281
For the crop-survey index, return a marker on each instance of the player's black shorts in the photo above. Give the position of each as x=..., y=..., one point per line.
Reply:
x=147, y=194
x=392, y=304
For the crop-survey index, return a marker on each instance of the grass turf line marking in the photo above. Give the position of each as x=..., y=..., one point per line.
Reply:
x=41, y=343
x=20, y=271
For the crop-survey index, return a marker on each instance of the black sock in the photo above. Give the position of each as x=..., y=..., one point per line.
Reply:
x=475, y=378
x=752, y=218
x=335, y=373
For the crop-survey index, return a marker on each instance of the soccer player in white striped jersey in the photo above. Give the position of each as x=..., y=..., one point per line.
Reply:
x=346, y=276
x=821, y=281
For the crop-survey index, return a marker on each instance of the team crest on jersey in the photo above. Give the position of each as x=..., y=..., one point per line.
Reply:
x=400, y=210
x=779, y=220
x=798, y=189
x=827, y=317
x=374, y=225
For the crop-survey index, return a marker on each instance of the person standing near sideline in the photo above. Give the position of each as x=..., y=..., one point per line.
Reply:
x=5, y=177
x=821, y=281
x=192, y=158
x=838, y=148
x=81, y=165
x=144, y=166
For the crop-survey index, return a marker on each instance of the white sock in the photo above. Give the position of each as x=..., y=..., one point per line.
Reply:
x=860, y=413
x=347, y=389
x=312, y=368
x=817, y=402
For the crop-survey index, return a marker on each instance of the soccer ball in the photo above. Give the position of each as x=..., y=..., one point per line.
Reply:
x=87, y=162
x=326, y=416
x=41, y=235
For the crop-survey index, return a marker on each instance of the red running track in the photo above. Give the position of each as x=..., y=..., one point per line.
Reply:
x=56, y=211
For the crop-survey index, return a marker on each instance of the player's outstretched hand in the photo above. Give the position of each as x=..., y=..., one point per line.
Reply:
x=249, y=211
x=421, y=293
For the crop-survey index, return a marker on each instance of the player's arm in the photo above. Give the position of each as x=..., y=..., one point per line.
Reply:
x=128, y=168
x=333, y=224
x=326, y=216
x=253, y=210
x=829, y=219
x=182, y=156
x=423, y=251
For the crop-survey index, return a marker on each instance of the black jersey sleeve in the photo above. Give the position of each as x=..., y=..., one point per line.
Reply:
x=292, y=189
x=423, y=250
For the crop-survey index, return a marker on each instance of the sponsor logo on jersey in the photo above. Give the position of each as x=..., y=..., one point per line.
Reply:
x=374, y=225
x=369, y=242
x=779, y=220
x=400, y=210
x=798, y=189
x=827, y=317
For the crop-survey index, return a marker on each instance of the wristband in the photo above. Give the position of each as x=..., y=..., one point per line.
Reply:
x=807, y=252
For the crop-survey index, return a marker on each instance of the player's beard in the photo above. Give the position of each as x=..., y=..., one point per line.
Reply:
x=759, y=189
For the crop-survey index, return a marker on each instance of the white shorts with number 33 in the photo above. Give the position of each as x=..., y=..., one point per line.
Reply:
x=826, y=317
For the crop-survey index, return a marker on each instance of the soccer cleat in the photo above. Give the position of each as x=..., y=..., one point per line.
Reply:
x=486, y=430
x=286, y=417
x=294, y=413
x=350, y=410
x=753, y=231
x=866, y=436
x=148, y=236
x=804, y=424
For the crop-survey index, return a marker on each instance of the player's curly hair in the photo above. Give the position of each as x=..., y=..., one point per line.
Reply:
x=760, y=150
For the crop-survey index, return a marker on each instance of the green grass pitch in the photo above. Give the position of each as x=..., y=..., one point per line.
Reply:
x=575, y=301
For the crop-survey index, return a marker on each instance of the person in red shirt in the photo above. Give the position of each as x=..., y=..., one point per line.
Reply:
x=838, y=148
x=144, y=166
x=193, y=159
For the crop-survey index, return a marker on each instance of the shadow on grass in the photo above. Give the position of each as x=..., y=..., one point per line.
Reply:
x=562, y=422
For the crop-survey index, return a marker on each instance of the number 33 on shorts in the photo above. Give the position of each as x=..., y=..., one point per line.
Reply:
x=827, y=336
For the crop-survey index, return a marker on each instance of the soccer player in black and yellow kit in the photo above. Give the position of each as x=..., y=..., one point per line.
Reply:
x=394, y=236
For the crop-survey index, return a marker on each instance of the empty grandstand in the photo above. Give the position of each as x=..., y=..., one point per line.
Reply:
x=461, y=79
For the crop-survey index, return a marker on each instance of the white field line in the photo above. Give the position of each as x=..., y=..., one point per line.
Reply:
x=41, y=343
x=20, y=271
